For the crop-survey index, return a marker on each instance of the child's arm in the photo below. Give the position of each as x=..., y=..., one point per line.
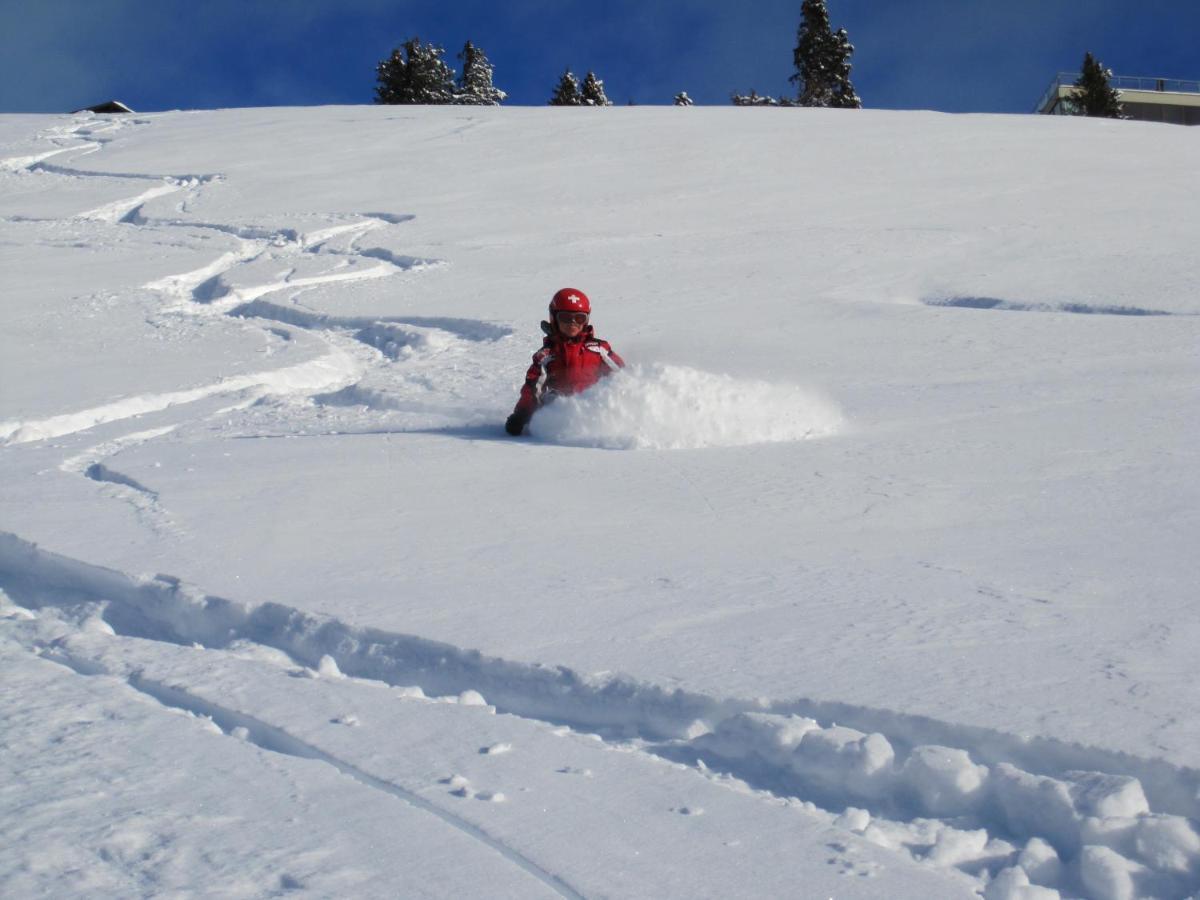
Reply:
x=531, y=392
x=610, y=356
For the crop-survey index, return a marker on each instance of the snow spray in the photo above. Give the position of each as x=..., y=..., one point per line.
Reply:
x=665, y=407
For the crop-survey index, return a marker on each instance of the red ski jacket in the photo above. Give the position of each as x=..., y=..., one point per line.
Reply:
x=565, y=367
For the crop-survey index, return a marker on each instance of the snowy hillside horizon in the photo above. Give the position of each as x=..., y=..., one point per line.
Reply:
x=872, y=575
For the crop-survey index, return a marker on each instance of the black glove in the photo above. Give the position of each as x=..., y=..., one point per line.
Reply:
x=515, y=424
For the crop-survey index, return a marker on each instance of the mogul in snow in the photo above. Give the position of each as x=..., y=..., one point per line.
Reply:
x=571, y=360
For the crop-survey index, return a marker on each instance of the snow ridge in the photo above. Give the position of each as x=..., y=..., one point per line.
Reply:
x=1065, y=818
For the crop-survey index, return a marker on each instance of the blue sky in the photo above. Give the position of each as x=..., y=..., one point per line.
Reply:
x=950, y=55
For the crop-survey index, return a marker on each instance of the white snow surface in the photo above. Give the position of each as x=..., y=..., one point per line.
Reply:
x=873, y=575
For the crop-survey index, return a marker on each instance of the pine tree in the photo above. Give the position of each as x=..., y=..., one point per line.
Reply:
x=822, y=60
x=475, y=86
x=418, y=75
x=392, y=77
x=567, y=91
x=844, y=95
x=593, y=91
x=1096, y=96
x=753, y=99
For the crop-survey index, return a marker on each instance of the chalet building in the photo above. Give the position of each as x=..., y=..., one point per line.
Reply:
x=112, y=106
x=1145, y=99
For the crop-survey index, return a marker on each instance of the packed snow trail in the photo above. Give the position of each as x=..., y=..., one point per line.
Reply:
x=1065, y=818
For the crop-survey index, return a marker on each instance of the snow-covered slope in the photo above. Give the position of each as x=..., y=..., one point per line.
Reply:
x=874, y=575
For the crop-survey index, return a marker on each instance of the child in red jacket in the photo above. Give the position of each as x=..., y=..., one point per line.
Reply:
x=571, y=360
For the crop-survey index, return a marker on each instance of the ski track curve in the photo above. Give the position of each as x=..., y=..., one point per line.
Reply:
x=331, y=246
x=144, y=500
x=1058, y=815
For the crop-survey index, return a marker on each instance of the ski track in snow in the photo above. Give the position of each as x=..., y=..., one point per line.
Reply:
x=143, y=499
x=1020, y=810
x=1085, y=309
x=326, y=253
x=277, y=740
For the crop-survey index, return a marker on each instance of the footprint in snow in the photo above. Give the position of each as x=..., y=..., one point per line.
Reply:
x=460, y=786
x=495, y=749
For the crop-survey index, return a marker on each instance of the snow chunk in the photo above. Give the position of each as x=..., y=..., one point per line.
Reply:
x=661, y=407
x=845, y=758
x=769, y=736
x=1115, y=832
x=97, y=625
x=1168, y=843
x=496, y=749
x=1106, y=874
x=328, y=667
x=954, y=847
x=1105, y=796
x=944, y=780
x=854, y=819
x=471, y=698
x=1013, y=884
x=1036, y=804
x=247, y=649
x=1041, y=862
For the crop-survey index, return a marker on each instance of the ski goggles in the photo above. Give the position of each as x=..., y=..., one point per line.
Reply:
x=571, y=318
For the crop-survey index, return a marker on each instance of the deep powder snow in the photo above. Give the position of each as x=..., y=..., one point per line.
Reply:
x=667, y=407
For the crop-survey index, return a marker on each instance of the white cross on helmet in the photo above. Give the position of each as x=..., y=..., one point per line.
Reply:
x=570, y=300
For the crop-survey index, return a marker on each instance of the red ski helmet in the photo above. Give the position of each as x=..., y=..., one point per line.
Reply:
x=570, y=300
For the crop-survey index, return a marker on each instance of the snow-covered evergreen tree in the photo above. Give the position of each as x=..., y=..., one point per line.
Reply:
x=593, y=91
x=391, y=76
x=566, y=93
x=1096, y=95
x=682, y=99
x=753, y=99
x=415, y=73
x=475, y=87
x=822, y=60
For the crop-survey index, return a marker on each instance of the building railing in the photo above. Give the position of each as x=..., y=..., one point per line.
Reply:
x=1121, y=82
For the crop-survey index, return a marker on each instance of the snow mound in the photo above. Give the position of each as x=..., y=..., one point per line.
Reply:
x=665, y=407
